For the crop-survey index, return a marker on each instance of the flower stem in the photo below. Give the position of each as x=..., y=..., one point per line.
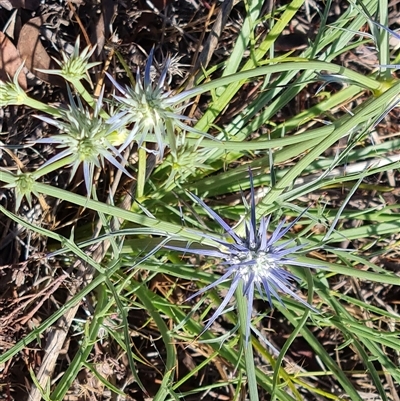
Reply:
x=86, y=95
x=57, y=165
x=141, y=177
x=37, y=105
x=246, y=347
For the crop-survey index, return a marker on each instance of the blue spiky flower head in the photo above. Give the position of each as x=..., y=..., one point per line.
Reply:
x=150, y=110
x=257, y=260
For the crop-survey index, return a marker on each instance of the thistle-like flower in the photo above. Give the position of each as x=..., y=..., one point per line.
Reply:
x=75, y=66
x=11, y=93
x=184, y=163
x=87, y=137
x=256, y=260
x=24, y=186
x=150, y=110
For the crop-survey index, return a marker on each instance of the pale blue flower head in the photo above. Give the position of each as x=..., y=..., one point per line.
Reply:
x=257, y=259
x=86, y=137
x=150, y=110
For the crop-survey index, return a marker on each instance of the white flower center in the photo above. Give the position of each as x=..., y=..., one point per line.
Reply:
x=260, y=267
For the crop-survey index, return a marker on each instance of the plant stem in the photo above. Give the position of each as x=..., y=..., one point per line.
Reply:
x=246, y=347
x=141, y=176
